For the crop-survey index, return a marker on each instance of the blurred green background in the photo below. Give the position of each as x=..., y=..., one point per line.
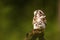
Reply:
x=16, y=18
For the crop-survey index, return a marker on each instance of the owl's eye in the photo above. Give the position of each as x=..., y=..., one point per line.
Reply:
x=40, y=13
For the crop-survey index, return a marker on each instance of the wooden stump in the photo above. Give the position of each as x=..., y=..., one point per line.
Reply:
x=33, y=35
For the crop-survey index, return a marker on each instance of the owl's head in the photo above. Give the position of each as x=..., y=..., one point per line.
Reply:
x=39, y=12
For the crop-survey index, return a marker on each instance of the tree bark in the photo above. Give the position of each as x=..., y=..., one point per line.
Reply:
x=35, y=34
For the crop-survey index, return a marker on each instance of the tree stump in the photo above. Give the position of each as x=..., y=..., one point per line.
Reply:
x=35, y=34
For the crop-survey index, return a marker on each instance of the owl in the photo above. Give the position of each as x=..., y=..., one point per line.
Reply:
x=39, y=19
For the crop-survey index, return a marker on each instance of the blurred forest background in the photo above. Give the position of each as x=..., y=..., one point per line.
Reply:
x=16, y=18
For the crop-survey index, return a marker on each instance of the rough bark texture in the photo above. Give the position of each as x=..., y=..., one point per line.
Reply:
x=33, y=35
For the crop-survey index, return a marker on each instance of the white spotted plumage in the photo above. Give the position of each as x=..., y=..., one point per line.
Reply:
x=38, y=21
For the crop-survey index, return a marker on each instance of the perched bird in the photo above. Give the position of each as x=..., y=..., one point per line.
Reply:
x=39, y=19
x=39, y=24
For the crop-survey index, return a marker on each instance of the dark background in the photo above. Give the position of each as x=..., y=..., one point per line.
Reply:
x=16, y=18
